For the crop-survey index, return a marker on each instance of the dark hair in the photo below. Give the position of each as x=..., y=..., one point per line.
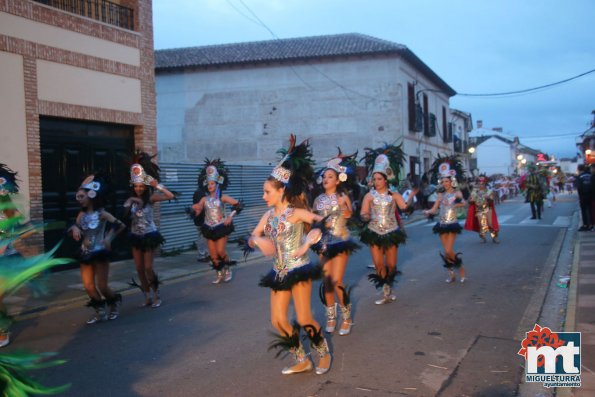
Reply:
x=146, y=196
x=384, y=176
x=342, y=186
x=299, y=201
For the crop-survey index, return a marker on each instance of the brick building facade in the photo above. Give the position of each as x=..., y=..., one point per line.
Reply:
x=74, y=67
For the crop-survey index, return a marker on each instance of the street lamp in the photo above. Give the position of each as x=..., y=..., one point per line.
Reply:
x=471, y=150
x=524, y=161
x=519, y=157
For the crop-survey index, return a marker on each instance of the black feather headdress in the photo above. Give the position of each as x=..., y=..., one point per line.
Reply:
x=214, y=170
x=345, y=166
x=396, y=158
x=447, y=166
x=143, y=169
x=295, y=169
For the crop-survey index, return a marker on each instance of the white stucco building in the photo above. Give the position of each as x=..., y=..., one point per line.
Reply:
x=241, y=101
x=498, y=153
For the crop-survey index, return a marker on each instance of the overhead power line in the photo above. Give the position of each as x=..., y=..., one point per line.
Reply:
x=256, y=20
x=530, y=89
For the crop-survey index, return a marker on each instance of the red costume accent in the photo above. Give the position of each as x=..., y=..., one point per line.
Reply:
x=472, y=224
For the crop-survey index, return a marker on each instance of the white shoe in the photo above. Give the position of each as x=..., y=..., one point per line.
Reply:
x=219, y=279
x=228, y=276
x=386, y=299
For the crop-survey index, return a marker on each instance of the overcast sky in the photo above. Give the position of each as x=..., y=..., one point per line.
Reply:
x=477, y=47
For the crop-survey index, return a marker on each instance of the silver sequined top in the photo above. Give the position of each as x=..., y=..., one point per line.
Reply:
x=142, y=219
x=448, y=213
x=93, y=231
x=214, y=211
x=287, y=238
x=382, y=213
x=480, y=197
x=326, y=205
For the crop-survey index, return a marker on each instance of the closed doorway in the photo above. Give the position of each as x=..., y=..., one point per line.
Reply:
x=71, y=150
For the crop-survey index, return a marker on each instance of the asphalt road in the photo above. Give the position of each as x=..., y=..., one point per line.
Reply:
x=436, y=339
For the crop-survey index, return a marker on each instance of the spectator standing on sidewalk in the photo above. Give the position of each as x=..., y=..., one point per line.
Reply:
x=534, y=193
x=585, y=196
x=201, y=242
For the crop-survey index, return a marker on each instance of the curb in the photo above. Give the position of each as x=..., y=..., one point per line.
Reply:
x=64, y=304
x=570, y=320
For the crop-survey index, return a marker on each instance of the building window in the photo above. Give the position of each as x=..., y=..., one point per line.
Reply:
x=444, y=126
x=100, y=10
x=411, y=106
x=426, y=116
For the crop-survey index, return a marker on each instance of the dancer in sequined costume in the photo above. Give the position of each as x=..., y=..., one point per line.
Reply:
x=447, y=201
x=280, y=234
x=336, y=246
x=217, y=225
x=93, y=255
x=144, y=235
x=382, y=233
x=481, y=216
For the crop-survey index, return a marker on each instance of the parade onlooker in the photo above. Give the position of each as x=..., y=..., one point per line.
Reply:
x=585, y=195
x=534, y=192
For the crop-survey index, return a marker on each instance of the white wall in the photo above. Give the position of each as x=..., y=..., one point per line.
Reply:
x=69, y=84
x=13, y=149
x=494, y=157
x=244, y=115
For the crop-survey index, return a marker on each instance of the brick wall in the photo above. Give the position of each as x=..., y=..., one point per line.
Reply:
x=145, y=134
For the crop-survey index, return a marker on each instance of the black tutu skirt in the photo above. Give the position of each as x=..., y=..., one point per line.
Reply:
x=394, y=238
x=217, y=232
x=306, y=272
x=441, y=228
x=147, y=241
x=89, y=257
x=334, y=247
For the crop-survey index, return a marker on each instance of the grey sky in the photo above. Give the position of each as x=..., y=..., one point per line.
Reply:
x=475, y=46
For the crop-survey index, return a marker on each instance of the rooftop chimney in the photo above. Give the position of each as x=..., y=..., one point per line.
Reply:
x=497, y=129
x=479, y=124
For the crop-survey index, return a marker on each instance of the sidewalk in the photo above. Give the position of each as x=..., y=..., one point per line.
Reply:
x=580, y=315
x=64, y=288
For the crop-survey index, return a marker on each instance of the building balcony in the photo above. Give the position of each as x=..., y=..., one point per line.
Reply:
x=100, y=10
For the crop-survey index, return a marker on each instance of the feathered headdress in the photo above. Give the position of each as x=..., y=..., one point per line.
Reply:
x=345, y=166
x=143, y=169
x=447, y=166
x=96, y=184
x=8, y=181
x=295, y=168
x=386, y=160
x=214, y=170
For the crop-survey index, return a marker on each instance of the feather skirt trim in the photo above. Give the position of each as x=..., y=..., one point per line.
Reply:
x=306, y=272
x=146, y=242
x=334, y=248
x=447, y=228
x=217, y=232
x=394, y=238
x=88, y=258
